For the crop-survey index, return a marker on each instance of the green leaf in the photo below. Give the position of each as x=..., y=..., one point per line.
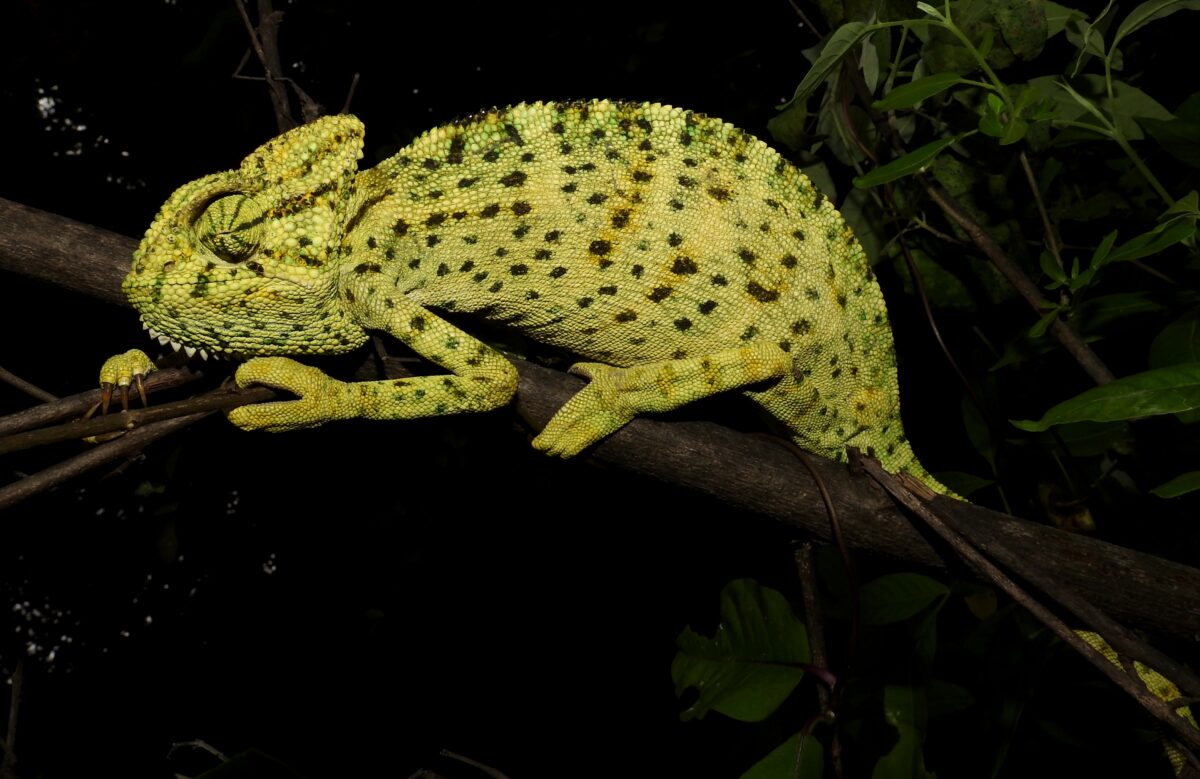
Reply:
x=1058, y=16
x=947, y=698
x=897, y=597
x=904, y=710
x=1180, y=485
x=788, y=126
x=1101, y=253
x=1050, y=267
x=913, y=162
x=1014, y=130
x=1148, y=12
x=908, y=95
x=963, y=483
x=1154, y=241
x=1178, y=342
x=843, y=39
x=783, y=762
x=1160, y=391
x=1043, y=324
x=752, y=663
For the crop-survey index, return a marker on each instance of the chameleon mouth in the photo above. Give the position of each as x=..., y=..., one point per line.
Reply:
x=190, y=351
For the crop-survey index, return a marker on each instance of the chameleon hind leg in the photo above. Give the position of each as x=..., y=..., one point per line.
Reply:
x=615, y=396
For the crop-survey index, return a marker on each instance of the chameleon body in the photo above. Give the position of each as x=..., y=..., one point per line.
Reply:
x=677, y=254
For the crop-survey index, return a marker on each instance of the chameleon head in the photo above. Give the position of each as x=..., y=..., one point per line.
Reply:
x=245, y=262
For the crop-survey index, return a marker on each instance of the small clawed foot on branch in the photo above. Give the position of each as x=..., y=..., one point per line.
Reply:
x=120, y=372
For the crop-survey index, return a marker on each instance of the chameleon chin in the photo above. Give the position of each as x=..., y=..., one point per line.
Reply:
x=678, y=255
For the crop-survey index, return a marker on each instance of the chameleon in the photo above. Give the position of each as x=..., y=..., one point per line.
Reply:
x=678, y=255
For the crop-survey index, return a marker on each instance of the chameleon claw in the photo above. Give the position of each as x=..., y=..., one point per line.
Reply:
x=141, y=389
x=105, y=397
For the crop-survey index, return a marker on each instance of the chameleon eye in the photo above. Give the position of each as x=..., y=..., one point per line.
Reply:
x=230, y=227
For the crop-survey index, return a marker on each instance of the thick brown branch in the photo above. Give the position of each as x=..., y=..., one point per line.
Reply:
x=739, y=469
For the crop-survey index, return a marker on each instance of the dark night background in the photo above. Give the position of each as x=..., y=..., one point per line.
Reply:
x=353, y=599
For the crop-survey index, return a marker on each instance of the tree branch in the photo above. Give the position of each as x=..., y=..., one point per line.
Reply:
x=739, y=469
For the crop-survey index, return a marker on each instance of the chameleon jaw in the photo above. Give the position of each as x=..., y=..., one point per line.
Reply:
x=190, y=351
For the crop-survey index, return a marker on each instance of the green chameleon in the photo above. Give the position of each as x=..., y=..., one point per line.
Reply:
x=681, y=255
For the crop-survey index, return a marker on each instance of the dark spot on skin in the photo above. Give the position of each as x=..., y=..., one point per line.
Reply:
x=878, y=318
x=455, y=155
x=676, y=204
x=521, y=208
x=679, y=354
x=401, y=227
x=514, y=179
x=432, y=241
x=598, y=133
x=620, y=219
x=841, y=301
x=818, y=200
x=707, y=306
x=637, y=271
x=596, y=198
x=644, y=125
x=589, y=331
x=527, y=157
x=642, y=176
x=685, y=138
x=371, y=242
x=584, y=302
x=746, y=256
x=684, y=265
x=720, y=194
x=645, y=145
x=501, y=252
x=719, y=280
x=466, y=266
x=608, y=290
x=414, y=263
x=496, y=287
x=687, y=181
x=604, y=264
x=558, y=128
x=417, y=323
x=520, y=232
x=465, y=183
x=659, y=294
x=628, y=315
x=491, y=156
x=565, y=149
x=513, y=135
x=365, y=267
x=674, y=239
x=600, y=247
x=765, y=227
x=443, y=269
x=430, y=164
x=553, y=236
x=751, y=331
x=569, y=188
x=691, y=163
x=836, y=373
x=435, y=194
x=761, y=293
x=557, y=272
x=490, y=211
x=480, y=276
x=811, y=293
x=588, y=167
x=788, y=261
x=532, y=294
x=543, y=254
x=519, y=269
x=683, y=323
x=801, y=327
x=785, y=345
x=457, y=215
x=349, y=296
x=798, y=235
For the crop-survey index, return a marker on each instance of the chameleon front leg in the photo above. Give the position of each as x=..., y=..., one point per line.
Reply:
x=616, y=395
x=480, y=378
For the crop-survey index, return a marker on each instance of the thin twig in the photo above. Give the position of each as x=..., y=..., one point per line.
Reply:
x=32, y=390
x=264, y=41
x=10, y=735
x=1047, y=227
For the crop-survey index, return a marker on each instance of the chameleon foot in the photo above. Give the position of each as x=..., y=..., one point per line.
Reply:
x=598, y=410
x=321, y=399
x=121, y=371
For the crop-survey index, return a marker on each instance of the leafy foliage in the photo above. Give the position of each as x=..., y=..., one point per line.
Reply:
x=1046, y=129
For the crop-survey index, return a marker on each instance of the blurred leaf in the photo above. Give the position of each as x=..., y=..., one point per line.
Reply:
x=1057, y=17
x=1178, y=342
x=963, y=483
x=1154, y=241
x=903, y=709
x=782, y=762
x=944, y=698
x=908, y=95
x=913, y=162
x=897, y=597
x=1095, y=313
x=1161, y=391
x=752, y=663
x=1180, y=485
x=787, y=126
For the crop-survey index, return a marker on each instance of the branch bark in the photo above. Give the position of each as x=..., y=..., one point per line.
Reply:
x=742, y=470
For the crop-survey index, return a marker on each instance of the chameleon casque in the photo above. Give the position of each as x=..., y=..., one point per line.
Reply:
x=680, y=255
